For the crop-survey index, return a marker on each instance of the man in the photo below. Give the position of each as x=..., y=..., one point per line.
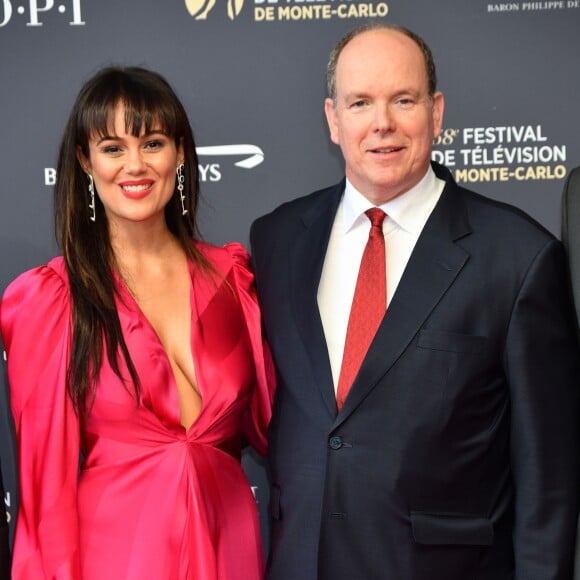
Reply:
x=453, y=453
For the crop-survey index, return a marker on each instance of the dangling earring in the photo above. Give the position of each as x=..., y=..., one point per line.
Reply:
x=92, y=194
x=180, y=182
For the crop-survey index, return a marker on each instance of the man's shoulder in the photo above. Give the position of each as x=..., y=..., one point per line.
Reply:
x=321, y=199
x=485, y=212
x=502, y=216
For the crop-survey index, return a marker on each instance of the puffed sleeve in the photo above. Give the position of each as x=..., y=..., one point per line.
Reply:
x=36, y=325
x=257, y=419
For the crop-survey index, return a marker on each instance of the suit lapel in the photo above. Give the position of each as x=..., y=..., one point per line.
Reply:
x=307, y=259
x=435, y=263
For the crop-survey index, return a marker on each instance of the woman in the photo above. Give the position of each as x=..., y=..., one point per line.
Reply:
x=140, y=348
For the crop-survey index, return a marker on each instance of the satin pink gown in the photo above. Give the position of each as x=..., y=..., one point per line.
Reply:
x=152, y=500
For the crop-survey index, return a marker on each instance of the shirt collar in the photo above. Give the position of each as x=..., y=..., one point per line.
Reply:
x=409, y=210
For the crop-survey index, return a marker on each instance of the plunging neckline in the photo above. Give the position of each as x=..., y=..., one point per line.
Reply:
x=194, y=318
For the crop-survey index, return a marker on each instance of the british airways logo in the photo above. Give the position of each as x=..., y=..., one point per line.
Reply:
x=245, y=156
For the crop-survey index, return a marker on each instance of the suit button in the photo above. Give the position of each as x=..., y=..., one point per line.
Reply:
x=335, y=442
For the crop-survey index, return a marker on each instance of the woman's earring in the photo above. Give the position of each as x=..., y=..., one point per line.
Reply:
x=92, y=194
x=180, y=182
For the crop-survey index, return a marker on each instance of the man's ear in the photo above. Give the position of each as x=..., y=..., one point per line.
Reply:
x=330, y=111
x=438, y=108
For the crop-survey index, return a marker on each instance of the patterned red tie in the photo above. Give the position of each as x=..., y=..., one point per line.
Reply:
x=368, y=305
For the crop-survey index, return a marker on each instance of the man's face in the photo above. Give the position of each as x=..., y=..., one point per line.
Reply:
x=384, y=119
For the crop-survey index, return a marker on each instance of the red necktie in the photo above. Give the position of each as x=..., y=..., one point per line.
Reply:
x=368, y=305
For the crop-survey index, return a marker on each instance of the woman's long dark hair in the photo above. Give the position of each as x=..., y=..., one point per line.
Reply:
x=149, y=103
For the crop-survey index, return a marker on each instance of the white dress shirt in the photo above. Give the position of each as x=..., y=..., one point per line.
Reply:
x=406, y=217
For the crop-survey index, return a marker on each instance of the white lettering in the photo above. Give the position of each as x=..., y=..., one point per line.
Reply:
x=542, y=5
x=445, y=157
x=49, y=176
x=35, y=9
x=504, y=7
x=77, y=18
x=483, y=135
x=209, y=172
x=7, y=10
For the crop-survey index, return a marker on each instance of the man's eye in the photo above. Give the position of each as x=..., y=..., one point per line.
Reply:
x=358, y=104
x=405, y=103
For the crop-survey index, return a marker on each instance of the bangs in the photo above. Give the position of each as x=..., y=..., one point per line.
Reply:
x=147, y=109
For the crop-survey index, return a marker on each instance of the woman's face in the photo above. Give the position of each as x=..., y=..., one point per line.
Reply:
x=134, y=176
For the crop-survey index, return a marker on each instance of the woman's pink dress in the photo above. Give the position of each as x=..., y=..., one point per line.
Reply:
x=152, y=501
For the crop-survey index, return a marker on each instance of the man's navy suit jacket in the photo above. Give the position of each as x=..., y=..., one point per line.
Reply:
x=456, y=454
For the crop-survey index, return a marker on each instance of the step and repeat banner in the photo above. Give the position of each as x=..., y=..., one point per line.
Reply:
x=251, y=75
